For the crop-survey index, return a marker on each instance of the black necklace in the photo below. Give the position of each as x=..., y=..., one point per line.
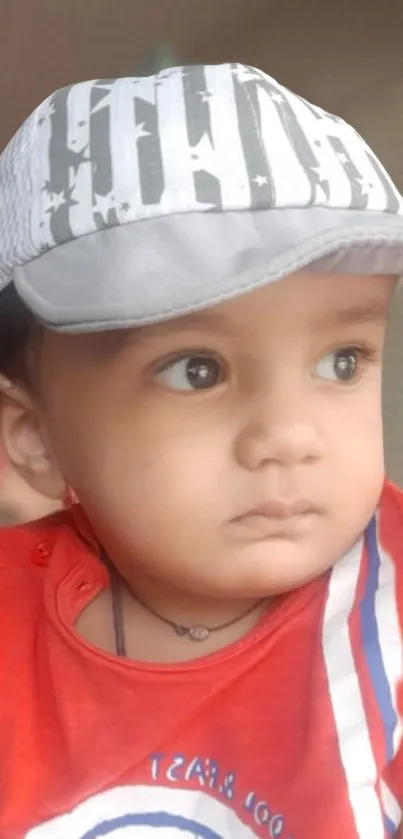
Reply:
x=198, y=632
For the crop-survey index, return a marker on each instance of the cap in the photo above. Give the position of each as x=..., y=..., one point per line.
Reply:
x=129, y=201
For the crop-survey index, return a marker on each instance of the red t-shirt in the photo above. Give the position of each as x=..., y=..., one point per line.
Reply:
x=293, y=732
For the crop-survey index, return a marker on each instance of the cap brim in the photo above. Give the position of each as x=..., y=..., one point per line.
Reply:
x=160, y=268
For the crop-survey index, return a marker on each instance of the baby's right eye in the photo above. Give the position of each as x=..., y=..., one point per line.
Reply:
x=191, y=372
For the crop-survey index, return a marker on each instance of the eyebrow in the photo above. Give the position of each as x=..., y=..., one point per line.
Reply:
x=190, y=322
x=374, y=310
x=371, y=311
x=114, y=342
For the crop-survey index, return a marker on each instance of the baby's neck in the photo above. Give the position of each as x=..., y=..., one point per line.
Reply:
x=204, y=626
x=163, y=625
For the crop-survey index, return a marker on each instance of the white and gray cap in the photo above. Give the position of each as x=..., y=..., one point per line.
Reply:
x=130, y=201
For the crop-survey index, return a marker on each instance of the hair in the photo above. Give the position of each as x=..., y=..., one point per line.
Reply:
x=17, y=325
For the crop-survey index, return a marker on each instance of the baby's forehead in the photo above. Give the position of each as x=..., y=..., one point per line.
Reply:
x=313, y=300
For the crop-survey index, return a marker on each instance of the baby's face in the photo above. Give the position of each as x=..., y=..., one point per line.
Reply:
x=237, y=451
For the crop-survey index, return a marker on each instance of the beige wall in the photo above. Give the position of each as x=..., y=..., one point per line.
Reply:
x=346, y=55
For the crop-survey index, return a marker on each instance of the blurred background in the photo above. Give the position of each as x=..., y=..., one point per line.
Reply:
x=345, y=56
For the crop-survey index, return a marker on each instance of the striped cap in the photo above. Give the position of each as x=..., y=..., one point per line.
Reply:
x=149, y=175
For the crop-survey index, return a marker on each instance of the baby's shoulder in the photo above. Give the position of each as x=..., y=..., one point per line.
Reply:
x=30, y=545
x=388, y=558
x=28, y=552
x=390, y=520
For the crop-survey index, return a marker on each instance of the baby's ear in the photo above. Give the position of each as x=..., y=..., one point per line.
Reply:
x=25, y=441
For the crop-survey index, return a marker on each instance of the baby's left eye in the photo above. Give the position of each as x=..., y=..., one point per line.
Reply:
x=339, y=365
x=193, y=372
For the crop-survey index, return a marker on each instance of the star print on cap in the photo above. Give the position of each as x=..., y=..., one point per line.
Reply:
x=206, y=141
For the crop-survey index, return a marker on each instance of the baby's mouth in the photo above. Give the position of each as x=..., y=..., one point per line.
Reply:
x=281, y=518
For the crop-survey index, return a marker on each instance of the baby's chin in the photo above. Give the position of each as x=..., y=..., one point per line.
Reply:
x=269, y=558
x=265, y=569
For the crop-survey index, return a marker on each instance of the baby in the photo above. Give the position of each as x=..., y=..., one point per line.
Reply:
x=196, y=273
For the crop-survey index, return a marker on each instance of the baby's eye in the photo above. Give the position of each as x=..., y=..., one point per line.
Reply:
x=192, y=372
x=339, y=365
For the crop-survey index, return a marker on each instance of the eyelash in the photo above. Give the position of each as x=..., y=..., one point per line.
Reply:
x=165, y=363
x=365, y=353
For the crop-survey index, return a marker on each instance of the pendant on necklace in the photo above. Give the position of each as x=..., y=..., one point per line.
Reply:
x=195, y=633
